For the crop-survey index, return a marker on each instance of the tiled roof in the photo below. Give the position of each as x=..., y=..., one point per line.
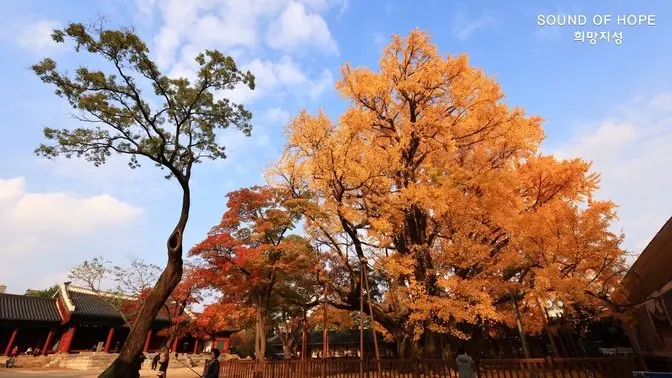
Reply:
x=25, y=308
x=93, y=306
x=647, y=274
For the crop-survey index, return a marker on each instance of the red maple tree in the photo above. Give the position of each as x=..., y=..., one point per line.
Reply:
x=251, y=258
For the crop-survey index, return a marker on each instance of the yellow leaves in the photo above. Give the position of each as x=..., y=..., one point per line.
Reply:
x=308, y=132
x=446, y=186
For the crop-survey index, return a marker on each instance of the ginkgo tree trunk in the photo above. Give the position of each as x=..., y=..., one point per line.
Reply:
x=115, y=105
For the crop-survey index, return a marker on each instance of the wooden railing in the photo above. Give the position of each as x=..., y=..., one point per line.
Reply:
x=604, y=367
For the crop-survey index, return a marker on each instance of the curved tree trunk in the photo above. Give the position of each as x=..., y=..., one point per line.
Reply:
x=126, y=363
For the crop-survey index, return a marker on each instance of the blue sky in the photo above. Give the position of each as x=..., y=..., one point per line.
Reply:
x=607, y=103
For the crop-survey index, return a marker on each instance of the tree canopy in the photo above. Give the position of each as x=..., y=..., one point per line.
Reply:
x=433, y=180
x=260, y=269
x=44, y=293
x=119, y=112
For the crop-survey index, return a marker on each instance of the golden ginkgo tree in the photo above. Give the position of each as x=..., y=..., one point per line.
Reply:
x=438, y=187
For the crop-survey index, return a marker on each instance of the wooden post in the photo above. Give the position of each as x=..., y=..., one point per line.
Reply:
x=562, y=343
x=147, y=340
x=361, y=319
x=325, y=333
x=195, y=346
x=547, y=328
x=47, y=343
x=66, y=339
x=226, y=345
x=304, y=326
x=175, y=345
x=521, y=332
x=108, y=342
x=373, y=328
x=634, y=341
x=8, y=350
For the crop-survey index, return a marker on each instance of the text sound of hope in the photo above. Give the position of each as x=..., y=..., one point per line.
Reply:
x=598, y=19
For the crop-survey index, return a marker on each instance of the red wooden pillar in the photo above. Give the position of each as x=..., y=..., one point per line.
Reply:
x=66, y=339
x=174, y=347
x=48, y=342
x=147, y=340
x=11, y=341
x=195, y=346
x=225, y=348
x=108, y=342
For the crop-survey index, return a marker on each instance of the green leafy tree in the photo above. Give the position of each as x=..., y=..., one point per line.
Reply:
x=117, y=110
x=44, y=293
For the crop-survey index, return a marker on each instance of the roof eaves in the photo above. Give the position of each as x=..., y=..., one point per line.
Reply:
x=63, y=291
x=101, y=293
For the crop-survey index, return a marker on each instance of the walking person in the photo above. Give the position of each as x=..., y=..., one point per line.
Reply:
x=212, y=367
x=155, y=361
x=163, y=362
x=465, y=364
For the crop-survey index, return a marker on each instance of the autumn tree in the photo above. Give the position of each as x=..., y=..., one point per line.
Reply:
x=435, y=184
x=243, y=343
x=133, y=109
x=295, y=300
x=251, y=257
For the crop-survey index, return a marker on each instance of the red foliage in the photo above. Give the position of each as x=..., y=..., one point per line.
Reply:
x=250, y=257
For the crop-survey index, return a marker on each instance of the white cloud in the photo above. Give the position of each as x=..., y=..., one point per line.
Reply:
x=277, y=115
x=114, y=177
x=631, y=151
x=297, y=27
x=42, y=232
x=321, y=85
x=464, y=26
x=280, y=77
x=59, y=213
x=237, y=28
x=36, y=36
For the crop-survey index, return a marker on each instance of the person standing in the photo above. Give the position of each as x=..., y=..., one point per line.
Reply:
x=212, y=367
x=137, y=364
x=465, y=364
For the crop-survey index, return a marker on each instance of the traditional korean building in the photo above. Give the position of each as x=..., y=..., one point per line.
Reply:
x=77, y=320
x=648, y=287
